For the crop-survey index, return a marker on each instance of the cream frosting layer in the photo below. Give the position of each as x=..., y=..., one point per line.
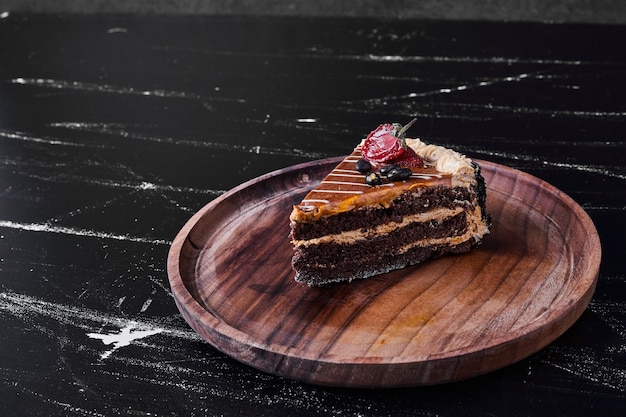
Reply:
x=353, y=236
x=476, y=229
x=446, y=161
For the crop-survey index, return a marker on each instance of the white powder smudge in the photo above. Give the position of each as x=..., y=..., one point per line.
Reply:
x=49, y=228
x=25, y=306
x=68, y=409
x=125, y=337
x=586, y=364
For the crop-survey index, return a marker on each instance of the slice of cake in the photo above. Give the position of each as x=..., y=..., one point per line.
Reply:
x=393, y=202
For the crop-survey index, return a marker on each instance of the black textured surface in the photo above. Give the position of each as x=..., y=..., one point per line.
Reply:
x=115, y=130
x=561, y=11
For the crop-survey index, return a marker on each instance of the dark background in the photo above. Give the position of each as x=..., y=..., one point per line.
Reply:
x=561, y=11
x=116, y=128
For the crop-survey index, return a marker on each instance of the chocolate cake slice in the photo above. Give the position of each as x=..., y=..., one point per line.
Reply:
x=386, y=207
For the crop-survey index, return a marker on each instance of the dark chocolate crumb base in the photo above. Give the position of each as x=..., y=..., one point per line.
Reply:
x=481, y=197
x=334, y=275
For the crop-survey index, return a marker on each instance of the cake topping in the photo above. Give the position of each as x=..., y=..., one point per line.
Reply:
x=373, y=179
x=399, y=174
x=409, y=159
x=386, y=169
x=387, y=143
x=363, y=166
x=347, y=187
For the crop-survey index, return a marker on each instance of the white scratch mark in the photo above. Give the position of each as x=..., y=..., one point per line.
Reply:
x=586, y=364
x=449, y=90
x=142, y=186
x=490, y=107
x=609, y=311
x=145, y=305
x=107, y=88
x=120, y=301
x=147, y=186
x=45, y=140
x=124, y=338
x=588, y=168
x=466, y=59
x=123, y=131
x=48, y=228
x=593, y=169
x=588, y=206
x=117, y=30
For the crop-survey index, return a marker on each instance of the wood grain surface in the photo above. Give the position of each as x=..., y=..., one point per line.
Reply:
x=444, y=320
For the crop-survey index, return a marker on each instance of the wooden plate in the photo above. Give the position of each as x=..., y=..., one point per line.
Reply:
x=445, y=320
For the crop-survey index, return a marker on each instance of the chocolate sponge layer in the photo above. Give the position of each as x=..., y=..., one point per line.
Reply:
x=368, y=217
x=375, y=265
x=324, y=263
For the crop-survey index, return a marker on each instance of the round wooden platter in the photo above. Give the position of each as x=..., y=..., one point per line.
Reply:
x=444, y=320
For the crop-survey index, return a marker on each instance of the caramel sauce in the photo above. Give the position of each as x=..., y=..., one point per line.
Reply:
x=344, y=189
